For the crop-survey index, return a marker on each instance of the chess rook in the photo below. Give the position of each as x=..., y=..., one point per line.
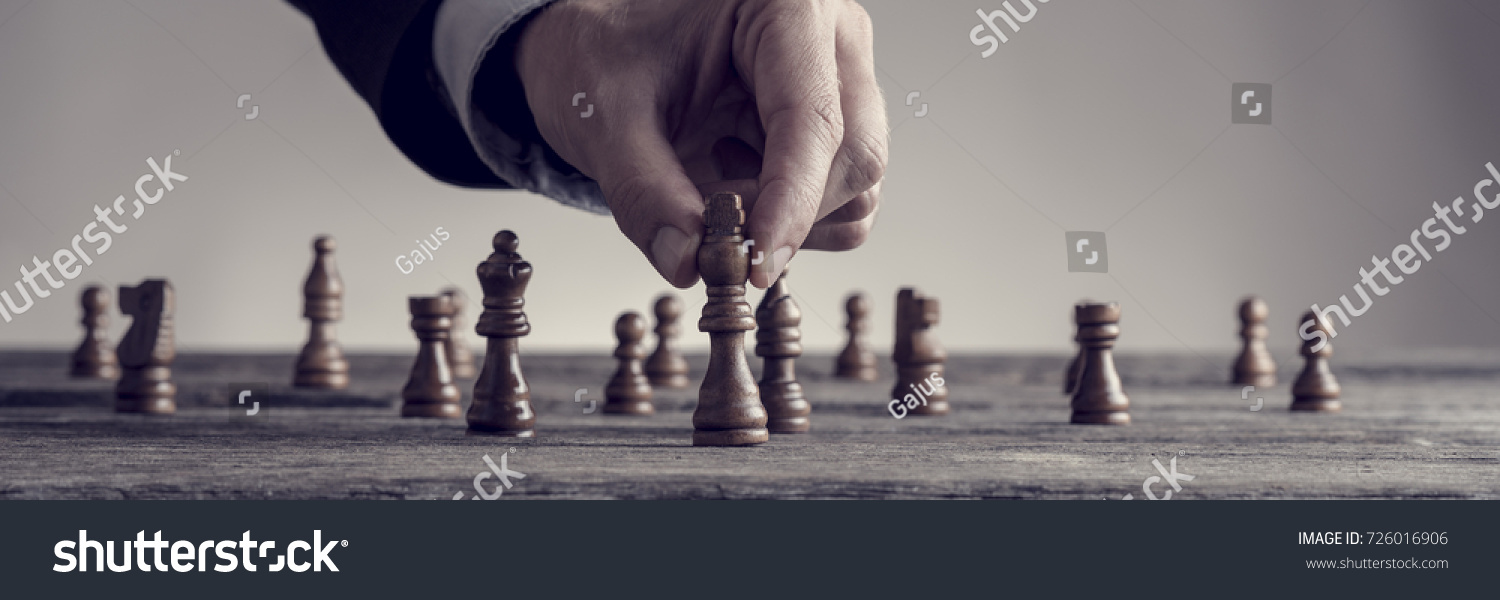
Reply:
x=322, y=364
x=1316, y=390
x=460, y=359
x=1098, y=396
x=429, y=390
x=778, y=340
x=502, y=400
x=1254, y=365
x=1075, y=368
x=918, y=355
x=629, y=391
x=147, y=350
x=666, y=367
x=856, y=362
x=729, y=411
x=94, y=359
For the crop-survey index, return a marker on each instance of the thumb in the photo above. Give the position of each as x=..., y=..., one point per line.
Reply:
x=654, y=203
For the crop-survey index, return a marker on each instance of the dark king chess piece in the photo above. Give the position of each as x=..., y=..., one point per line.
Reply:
x=666, y=367
x=856, y=362
x=502, y=400
x=779, y=341
x=460, y=359
x=429, y=390
x=918, y=355
x=1098, y=396
x=147, y=350
x=322, y=364
x=629, y=391
x=1316, y=390
x=729, y=412
x=94, y=359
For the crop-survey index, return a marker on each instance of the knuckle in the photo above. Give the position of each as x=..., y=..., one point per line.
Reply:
x=849, y=236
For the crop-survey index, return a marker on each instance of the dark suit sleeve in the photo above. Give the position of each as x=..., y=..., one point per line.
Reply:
x=384, y=49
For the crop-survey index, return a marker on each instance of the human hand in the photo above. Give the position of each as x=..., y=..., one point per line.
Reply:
x=773, y=99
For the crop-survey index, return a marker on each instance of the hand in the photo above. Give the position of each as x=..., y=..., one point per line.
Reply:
x=773, y=99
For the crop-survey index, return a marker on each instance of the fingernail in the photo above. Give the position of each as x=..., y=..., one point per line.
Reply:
x=668, y=250
x=777, y=264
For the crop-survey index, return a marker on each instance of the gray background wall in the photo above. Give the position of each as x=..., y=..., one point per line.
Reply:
x=1097, y=116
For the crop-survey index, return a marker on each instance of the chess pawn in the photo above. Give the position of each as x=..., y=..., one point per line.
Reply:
x=666, y=367
x=460, y=359
x=502, y=400
x=322, y=364
x=147, y=350
x=729, y=411
x=629, y=392
x=1316, y=389
x=779, y=341
x=918, y=355
x=1098, y=397
x=94, y=359
x=1254, y=366
x=856, y=362
x=429, y=390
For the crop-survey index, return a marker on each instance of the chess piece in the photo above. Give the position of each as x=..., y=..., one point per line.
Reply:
x=1254, y=365
x=94, y=359
x=460, y=359
x=147, y=350
x=729, y=412
x=1070, y=379
x=1316, y=390
x=1098, y=397
x=429, y=390
x=778, y=340
x=666, y=367
x=322, y=364
x=629, y=392
x=502, y=400
x=856, y=362
x=918, y=355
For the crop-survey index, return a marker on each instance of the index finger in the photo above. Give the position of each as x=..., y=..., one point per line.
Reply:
x=789, y=51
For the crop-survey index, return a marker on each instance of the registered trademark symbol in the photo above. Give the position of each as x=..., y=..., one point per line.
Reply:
x=345, y=543
x=177, y=153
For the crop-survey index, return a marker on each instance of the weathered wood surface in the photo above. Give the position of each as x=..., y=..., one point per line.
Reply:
x=1418, y=426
